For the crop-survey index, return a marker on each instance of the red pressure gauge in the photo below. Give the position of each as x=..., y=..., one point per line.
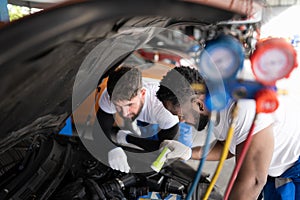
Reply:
x=273, y=59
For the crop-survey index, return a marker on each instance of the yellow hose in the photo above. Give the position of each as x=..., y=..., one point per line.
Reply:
x=224, y=153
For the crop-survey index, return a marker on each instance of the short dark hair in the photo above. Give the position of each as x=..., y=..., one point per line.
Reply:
x=179, y=84
x=124, y=83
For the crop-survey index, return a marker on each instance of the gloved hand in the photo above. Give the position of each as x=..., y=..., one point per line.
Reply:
x=121, y=139
x=178, y=150
x=121, y=136
x=117, y=160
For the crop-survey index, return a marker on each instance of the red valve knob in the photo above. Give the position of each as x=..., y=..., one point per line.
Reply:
x=266, y=101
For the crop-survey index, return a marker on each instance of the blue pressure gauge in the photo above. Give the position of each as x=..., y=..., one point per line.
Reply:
x=219, y=63
x=221, y=57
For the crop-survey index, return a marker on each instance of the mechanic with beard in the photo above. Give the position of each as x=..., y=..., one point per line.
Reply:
x=135, y=101
x=272, y=161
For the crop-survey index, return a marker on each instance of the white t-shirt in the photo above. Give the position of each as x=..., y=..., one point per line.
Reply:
x=286, y=123
x=153, y=111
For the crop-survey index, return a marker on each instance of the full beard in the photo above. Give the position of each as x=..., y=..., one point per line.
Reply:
x=133, y=118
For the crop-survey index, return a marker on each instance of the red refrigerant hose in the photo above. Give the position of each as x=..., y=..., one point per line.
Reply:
x=266, y=102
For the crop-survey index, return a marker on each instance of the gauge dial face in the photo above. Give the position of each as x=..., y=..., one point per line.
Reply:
x=219, y=61
x=224, y=60
x=273, y=59
x=271, y=65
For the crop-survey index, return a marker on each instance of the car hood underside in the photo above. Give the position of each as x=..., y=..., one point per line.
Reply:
x=41, y=54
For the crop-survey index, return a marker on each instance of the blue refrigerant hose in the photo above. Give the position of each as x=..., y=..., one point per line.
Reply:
x=204, y=154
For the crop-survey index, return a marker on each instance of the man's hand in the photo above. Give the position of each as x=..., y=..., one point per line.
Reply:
x=117, y=160
x=121, y=136
x=178, y=150
x=121, y=139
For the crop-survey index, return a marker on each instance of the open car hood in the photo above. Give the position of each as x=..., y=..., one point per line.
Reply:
x=41, y=54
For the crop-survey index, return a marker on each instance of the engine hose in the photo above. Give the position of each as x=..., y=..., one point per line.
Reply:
x=97, y=189
x=204, y=154
x=241, y=159
x=224, y=152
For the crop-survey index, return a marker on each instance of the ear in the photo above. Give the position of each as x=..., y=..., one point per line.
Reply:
x=143, y=93
x=198, y=103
